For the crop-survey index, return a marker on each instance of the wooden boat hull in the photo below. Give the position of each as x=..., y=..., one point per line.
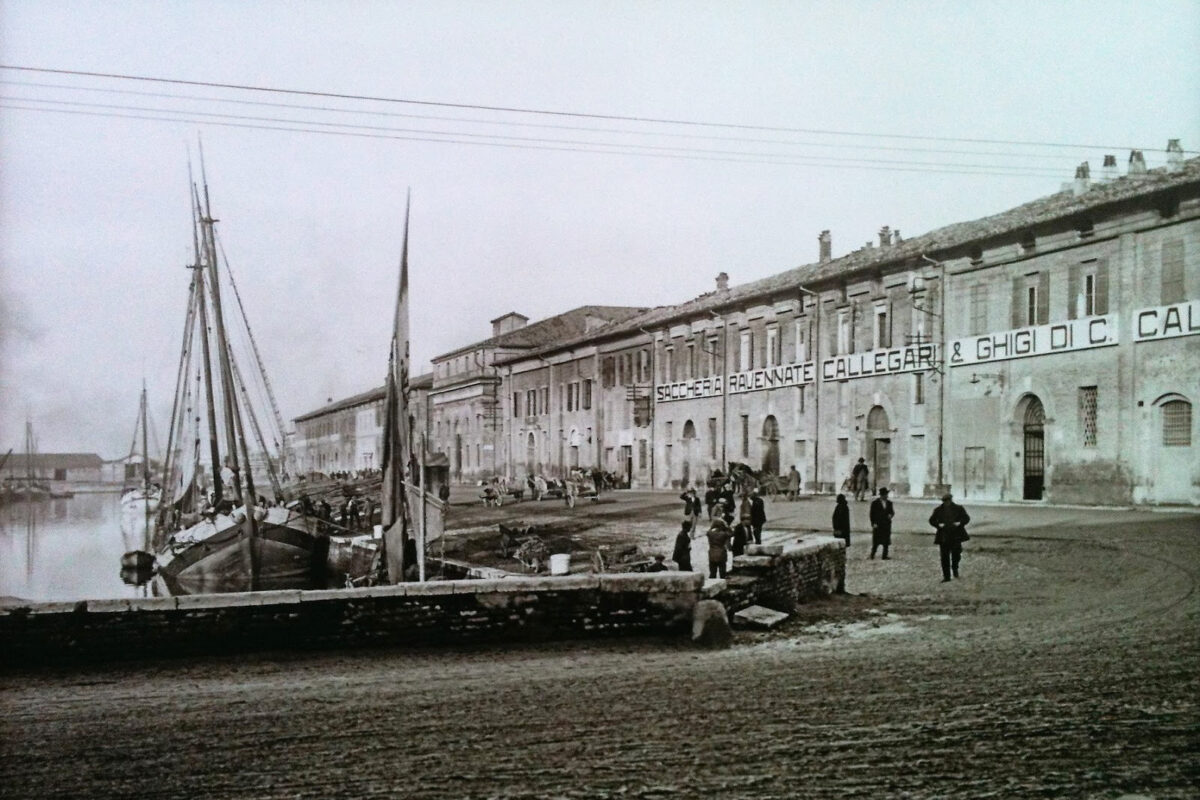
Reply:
x=284, y=553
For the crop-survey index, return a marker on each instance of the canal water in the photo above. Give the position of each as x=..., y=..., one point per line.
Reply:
x=66, y=549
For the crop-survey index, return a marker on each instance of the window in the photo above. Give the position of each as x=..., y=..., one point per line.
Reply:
x=671, y=373
x=801, y=449
x=642, y=460
x=1031, y=300
x=712, y=437
x=801, y=341
x=745, y=352
x=843, y=331
x=714, y=360
x=1173, y=290
x=643, y=366
x=692, y=368
x=516, y=400
x=670, y=427
x=1087, y=415
x=1087, y=288
x=918, y=389
x=1177, y=423
x=979, y=298
x=745, y=435
x=545, y=409
x=587, y=395
x=802, y=399
x=774, y=353
x=843, y=446
x=881, y=331
x=608, y=373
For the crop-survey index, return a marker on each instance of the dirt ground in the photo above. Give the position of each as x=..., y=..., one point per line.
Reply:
x=1064, y=663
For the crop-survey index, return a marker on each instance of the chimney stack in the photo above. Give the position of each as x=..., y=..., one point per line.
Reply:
x=825, y=247
x=1137, y=163
x=722, y=281
x=885, y=236
x=1083, y=175
x=1174, y=155
x=896, y=236
x=1109, y=171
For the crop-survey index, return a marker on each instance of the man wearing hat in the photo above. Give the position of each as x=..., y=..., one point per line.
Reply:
x=950, y=520
x=718, y=547
x=881, y=523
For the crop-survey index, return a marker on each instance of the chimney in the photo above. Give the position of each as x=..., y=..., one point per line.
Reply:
x=825, y=247
x=1174, y=155
x=722, y=281
x=1083, y=175
x=509, y=322
x=1109, y=171
x=1137, y=163
x=896, y=236
x=885, y=236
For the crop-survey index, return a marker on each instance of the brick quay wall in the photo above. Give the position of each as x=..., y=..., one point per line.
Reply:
x=413, y=614
x=439, y=612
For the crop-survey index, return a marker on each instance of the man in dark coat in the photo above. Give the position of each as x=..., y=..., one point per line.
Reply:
x=691, y=505
x=950, y=520
x=758, y=515
x=881, y=523
x=841, y=519
x=682, y=556
x=859, y=479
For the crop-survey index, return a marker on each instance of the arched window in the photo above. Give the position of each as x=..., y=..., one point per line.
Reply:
x=689, y=430
x=1177, y=423
x=877, y=419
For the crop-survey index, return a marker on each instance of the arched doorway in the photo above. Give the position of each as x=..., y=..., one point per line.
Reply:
x=1034, y=447
x=689, y=444
x=530, y=455
x=770, y=435
x=879, y=446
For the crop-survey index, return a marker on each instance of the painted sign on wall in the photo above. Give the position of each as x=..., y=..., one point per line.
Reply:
x=753, y=380
x=913, y=358
x=1167, y=322
x=1040, y=340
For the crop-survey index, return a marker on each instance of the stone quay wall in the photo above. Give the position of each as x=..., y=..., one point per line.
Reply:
x=783, y=577
x=440, y=612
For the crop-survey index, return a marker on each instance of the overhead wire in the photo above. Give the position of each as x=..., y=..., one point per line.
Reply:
x=767, y=160
x=546, y=112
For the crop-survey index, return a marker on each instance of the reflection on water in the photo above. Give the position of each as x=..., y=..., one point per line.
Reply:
x=65, y=549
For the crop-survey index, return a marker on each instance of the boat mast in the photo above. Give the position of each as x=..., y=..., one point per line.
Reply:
x=145, y=472
x=208, y=376
x=222, y=341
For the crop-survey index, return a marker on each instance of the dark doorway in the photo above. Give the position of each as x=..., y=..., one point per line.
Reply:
x=1035, y=450
x=627, y=460
x=458, y=456
x=770, y=435
x=881, y=466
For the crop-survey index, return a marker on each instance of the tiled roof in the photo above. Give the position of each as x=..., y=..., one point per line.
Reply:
x=20, y=462
x=946, y=242
x=378, y=393
x=554, y=329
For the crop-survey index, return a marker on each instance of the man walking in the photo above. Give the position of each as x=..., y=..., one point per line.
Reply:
x=793, y=483
x=881, y=523
x=758, y=515
x=859, y=479
x=950, y=520
x=691, y=505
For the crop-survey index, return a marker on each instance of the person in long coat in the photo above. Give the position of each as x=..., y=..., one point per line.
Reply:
x=758, y=515
x=682, y=555
x=881, y=523
x=841, y=519
x=691, y=505
x=793, y=483
x=741, y=537
x=950, y=520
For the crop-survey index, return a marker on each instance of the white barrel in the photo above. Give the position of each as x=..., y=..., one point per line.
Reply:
x=560, y=563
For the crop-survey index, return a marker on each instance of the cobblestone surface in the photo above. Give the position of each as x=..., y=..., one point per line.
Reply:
x=1065, y=663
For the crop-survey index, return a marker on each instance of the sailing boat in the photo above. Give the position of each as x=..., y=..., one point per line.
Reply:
x=28, y=486
x=403, y=542
x=141, y=499
x=232, y=539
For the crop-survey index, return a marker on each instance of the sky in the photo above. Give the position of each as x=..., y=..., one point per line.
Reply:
x=816, y=115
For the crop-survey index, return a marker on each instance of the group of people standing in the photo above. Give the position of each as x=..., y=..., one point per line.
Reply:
x=949, y=520
x=724, y=536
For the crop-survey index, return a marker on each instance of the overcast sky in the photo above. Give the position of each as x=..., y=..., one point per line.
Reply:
x=95, y=221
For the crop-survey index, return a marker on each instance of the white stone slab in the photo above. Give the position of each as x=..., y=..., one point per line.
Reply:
x=759, y=617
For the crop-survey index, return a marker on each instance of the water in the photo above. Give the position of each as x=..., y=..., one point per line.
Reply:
x=67, y=549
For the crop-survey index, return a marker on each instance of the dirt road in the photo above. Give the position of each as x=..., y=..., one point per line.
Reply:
x=1065, y=663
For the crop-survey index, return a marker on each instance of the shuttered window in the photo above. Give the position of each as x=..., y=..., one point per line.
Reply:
x=1173, y=289
x=1087, y=415
x=1177, y=423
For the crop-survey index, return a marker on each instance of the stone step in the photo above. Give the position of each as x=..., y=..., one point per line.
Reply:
x=753, y=563
x=758, y=617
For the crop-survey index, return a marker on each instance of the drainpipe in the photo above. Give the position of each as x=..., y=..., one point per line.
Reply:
x=724, y=389
x=817, y=386
x=653, y=398
x=945, y=373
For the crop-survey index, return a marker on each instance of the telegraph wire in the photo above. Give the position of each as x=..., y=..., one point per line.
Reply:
x=765, y=159
x=548, y=112
x=509, y=123
x=631, y=147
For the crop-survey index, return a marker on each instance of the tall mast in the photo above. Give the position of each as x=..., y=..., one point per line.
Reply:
x=222, y=340
x=208, y=377
x=145, y=446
